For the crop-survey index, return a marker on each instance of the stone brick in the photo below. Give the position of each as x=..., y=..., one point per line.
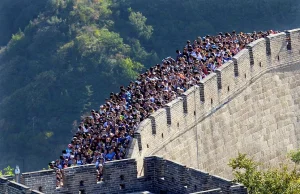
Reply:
x=250, y=105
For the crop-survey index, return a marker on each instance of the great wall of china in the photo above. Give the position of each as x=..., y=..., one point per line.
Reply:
x=250, y=105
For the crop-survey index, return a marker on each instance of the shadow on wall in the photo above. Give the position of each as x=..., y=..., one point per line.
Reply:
x=216, y=90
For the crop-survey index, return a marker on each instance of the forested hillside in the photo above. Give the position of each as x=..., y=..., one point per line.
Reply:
x=15, y=15
x=61, y=58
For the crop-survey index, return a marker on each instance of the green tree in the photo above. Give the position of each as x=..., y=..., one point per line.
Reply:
x=138, y=21
x=275, y=181
x=16, y=14
x=295, y=156
x=175, y=22
x=7, y=171
x=64, y=63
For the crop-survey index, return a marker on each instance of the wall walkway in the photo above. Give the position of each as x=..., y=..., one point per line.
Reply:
x=250, y=105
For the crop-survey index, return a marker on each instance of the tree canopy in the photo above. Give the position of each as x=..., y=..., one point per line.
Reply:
x=8, y=171
x=63, y=63
x=281, y=180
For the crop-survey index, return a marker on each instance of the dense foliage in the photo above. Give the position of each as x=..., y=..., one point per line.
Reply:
x=62, y=64
x=176, y=21
x=66, y=56
x=15, y=15
x=295, y=156
x=280, y=180
x=8, y=171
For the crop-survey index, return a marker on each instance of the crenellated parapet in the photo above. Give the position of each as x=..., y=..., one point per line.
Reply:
x=160, y=176
x=213, y=92
x=11, y=187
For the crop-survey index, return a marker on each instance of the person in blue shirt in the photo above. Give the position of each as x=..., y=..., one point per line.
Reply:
x=226, y=58
x=79, y=162
x=110, y=156
x=69, y=149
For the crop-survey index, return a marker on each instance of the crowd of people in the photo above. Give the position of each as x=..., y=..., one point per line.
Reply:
x=105, y=134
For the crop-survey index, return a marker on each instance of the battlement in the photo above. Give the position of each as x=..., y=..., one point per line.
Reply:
x=12, y=187
x=213, y=92
x=160, y=176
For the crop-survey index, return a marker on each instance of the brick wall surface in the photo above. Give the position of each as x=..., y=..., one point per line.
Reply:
x=15, y=188
x=73, y=176
x=176, y=107
x=250, y=105
x=160, y=176
x=278, y=47
x=3, y=184
x=295, y=41
x=242, y=63
x=210, y=91
x=171, y=177
x=226, y=85
x=257, y=53
x=44, y=179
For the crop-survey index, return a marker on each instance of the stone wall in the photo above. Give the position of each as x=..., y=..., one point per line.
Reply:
x=172, y=177
x=11, y=187
x=249, y=105
x=44, y=180
x=160, y=176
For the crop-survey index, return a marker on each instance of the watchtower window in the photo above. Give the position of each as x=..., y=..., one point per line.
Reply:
x=162, y=135
x=228, y=89
x=278, y=58
x=260, y=64
x=40, y=189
